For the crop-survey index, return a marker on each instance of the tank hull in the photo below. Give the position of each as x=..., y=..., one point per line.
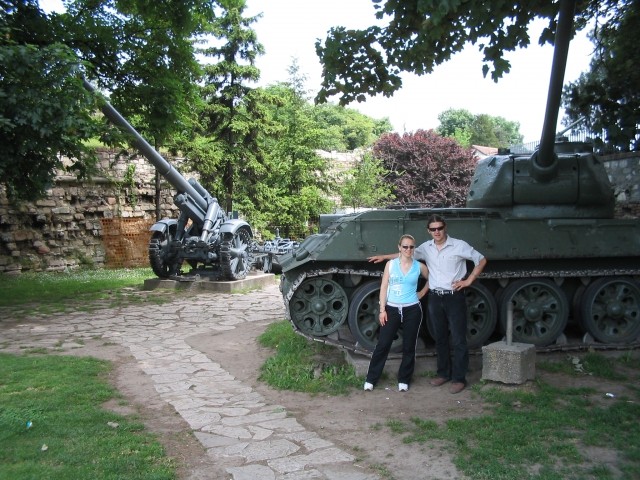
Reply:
x=554, y=271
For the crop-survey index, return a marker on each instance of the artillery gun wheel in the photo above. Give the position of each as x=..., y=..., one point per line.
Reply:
x=162, y=262
x=482, y=315
x=540, y=311
x=363, y=317
x=234, y=255
x=610, y=310
x=318, y=307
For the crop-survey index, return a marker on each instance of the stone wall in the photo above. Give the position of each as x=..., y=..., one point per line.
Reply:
x=105, y=222
x=624, y=173
x=102, y=222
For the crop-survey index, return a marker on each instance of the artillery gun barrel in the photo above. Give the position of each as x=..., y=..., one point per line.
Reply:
x=544, y=161
x=173, y=176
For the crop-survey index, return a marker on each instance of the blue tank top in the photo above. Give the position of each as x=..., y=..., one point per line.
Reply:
x=402, y=287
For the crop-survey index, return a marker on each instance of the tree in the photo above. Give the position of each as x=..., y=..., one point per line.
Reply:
x=482, y=131
x=229, y=123
x=139, y=51
x=453, y=120
x=607, y=97
x=34, y=131
x=364, y=185
x=469, y=129
x=506, y=131
x=418, y=35
x=426, y=168
x=297, y=176
x=348, y=128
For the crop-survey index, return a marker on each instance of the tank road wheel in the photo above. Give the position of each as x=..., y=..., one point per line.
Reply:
x=318, y=307
x=540, y=311
x=163, y=262
x=482, y=315
x=610, y=310
x=364, y=309
x=234, y=255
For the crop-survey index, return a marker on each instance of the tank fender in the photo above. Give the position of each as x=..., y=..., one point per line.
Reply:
x=233, y=225
x=163, y=225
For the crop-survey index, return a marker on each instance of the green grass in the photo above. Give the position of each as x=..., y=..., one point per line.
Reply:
x=84, y=289
x=537, y=432
x=52, y=425
x=543, y=434
x=302, y=365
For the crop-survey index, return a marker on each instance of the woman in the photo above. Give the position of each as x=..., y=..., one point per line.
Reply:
x=399, y=306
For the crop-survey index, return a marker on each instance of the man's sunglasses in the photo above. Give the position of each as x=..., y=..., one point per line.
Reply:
x=436, y=229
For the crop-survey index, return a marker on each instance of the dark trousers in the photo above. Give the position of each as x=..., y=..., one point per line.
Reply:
x=409, y=319
x=448, y=315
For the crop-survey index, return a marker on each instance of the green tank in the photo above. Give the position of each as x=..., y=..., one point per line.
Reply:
x=545, y=222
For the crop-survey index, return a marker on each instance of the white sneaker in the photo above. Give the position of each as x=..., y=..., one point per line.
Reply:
x=403, y=387
x=368, y=386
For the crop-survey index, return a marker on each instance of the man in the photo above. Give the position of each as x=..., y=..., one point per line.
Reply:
x=446, y=259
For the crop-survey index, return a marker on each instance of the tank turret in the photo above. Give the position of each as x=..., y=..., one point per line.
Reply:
x=560, y=179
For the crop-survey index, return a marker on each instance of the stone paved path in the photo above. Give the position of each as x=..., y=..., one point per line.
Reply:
x=250, y=438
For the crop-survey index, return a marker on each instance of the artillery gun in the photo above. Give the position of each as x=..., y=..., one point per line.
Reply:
x=203, y=235
x=546, y=224
x=266, y=255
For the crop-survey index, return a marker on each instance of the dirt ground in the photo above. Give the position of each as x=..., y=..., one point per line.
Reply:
x=348, y=421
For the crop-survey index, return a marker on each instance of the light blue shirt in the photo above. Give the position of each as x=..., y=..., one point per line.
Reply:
x=449, y=264
x=402, y=286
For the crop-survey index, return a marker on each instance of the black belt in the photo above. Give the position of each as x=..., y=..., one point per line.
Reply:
x=440, y=292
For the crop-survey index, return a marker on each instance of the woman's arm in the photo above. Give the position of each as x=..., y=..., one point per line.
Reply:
x=384, y=286
x=424, y=271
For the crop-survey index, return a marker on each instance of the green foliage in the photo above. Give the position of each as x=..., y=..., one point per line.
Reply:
x=346, y=128
x=52, y=424
x=130, y=184
x=607, y=97
x=44, y=111
x=365, y=184
x=295, y=184
x=453, y=120
x=301, y=365
x=141, y=52
x=417, y=35
x=469, y=129
x=463, y=137
x=229, y=114
x=545, y=430
x=482, y=131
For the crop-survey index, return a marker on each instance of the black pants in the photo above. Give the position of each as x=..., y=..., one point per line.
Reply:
x=409, y=318
x=448, y=315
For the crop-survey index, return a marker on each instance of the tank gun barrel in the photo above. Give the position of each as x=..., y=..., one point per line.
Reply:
x=544, y=161
x=164, y=168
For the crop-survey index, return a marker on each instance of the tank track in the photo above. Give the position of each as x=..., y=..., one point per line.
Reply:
x=561, y=344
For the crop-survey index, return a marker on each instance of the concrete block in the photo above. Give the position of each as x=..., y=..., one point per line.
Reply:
x=514, y=364
x=255, y=280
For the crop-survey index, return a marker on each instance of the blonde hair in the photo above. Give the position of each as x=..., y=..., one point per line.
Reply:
x=410, y=237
